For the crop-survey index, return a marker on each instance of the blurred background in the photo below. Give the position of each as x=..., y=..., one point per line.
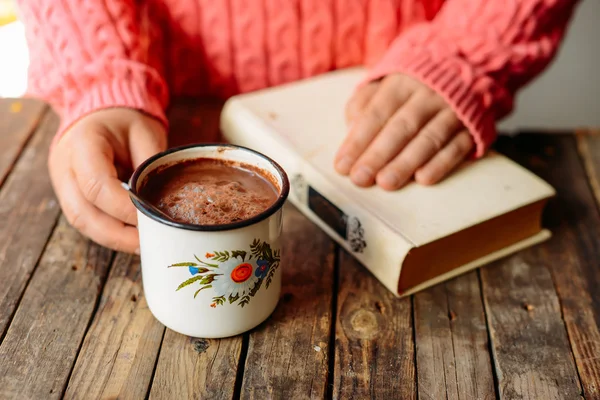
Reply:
x=566, y=96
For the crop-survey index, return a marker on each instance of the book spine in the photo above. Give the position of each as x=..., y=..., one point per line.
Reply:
x=368, y=239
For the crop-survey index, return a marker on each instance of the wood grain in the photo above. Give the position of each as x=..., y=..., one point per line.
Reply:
x=589, y=150
x=18, y=121
x=453, y=360
x=194, y=368
x=42, y=342
x=374, y=349
x=532, y=354
x=573, y=254
x=119, y=353
x=288, y=355
x=28, y=211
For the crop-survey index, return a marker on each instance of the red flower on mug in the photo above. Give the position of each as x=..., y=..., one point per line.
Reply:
x=241, y=273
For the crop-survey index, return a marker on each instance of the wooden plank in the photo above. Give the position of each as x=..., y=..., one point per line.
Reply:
x=288, y=355
x=18, y=120
x=119, y=352
x=453, y=360
x=532, y=355
x=542, y=365
x=28, y=211
x=194, y=368
x=41, y=344
x=589, y=150
x=574, y=252
x=374, y=349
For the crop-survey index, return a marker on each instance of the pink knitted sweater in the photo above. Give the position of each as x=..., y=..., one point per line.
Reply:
x=93, y=54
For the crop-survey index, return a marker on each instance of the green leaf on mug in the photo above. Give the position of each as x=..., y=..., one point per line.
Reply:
x=205, y=263
x=239, y=253
x=233, y=299
x=219, y=300
x=190, y=281
x=202, y=288
x=183, y=264
x=208, y=279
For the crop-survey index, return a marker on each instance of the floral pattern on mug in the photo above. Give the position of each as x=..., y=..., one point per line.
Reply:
x=235, y=276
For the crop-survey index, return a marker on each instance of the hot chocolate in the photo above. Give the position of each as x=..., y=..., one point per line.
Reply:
x=209, y=192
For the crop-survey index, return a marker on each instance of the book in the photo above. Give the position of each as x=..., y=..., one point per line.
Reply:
x=408, y=239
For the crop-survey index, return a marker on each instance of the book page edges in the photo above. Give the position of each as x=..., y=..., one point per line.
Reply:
x=540, y=237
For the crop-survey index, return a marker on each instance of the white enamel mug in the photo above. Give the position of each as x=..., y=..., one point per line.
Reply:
x=211, y=281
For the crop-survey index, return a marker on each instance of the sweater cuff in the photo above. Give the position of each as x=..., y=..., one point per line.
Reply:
x=140, y=88
x=453, y=83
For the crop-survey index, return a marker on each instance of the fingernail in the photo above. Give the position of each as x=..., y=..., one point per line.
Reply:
x=344, y=165
x=362, y=176
x=388, y=180
x=137, y=251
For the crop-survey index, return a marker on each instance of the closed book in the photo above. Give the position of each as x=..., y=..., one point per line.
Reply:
x=411, y=238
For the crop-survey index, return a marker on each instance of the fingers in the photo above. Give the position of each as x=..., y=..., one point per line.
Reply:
x=146, y=138
x=93, y=164
x=429, y=141
x=446, y=159
x=359, y=101
x=98, y=226
x=393, y=91
x=395, y=135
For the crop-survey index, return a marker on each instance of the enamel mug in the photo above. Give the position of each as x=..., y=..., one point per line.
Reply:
x=211, y=281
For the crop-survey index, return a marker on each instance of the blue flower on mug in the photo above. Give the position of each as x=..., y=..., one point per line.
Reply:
x=235, y=276
x=262, y=269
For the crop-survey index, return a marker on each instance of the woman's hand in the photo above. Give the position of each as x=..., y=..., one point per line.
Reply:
x=401, y=129
x=87, y=164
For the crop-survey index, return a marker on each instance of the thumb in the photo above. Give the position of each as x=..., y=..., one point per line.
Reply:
x=147, y=137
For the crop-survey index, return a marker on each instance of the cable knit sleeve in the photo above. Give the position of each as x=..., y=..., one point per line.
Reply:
x=87, y=55
x=477, y=54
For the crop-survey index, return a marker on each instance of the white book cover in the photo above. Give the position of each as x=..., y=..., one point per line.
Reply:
x=301, y=125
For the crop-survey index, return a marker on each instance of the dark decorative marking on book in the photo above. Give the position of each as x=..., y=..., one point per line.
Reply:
x=356, y=235
x=299, y=188
x=347, y=227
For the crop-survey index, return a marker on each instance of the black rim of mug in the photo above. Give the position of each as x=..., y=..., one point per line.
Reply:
x=283, y=193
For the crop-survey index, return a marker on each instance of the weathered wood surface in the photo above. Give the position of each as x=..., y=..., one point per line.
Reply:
x=525, y=327
x=453, y=359
x=583, y=320
x=119, y=353
x=531, y=350
x=288, y=355
x=573, y=254
x=28, y=212
x=588, y=145
x=18, y=120
x=44, y=337
x=196, y=368
x=374, y=348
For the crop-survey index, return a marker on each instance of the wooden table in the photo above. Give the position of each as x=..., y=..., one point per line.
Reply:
x=74, y=322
